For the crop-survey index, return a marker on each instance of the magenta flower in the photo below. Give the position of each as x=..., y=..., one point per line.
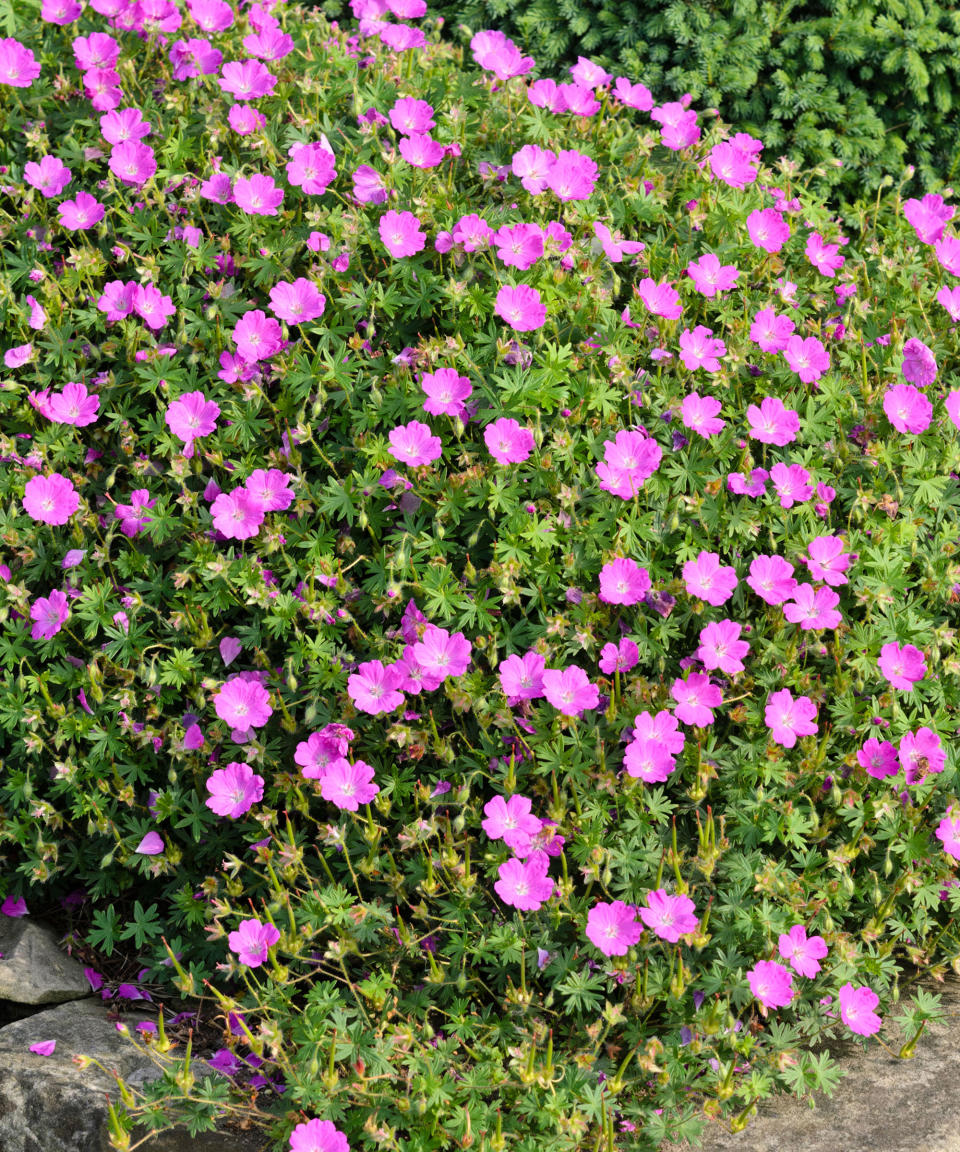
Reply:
x=767, y=229
x=827, y=560
x=421, y=150
x=257, y=195
x=507, y=442
x=348, y=785
x=670, y=917
x=401, y=235
x=236, y=514
x=117, y=299
x=38, y=317
x=570, y=690
x=879, y=758
x=152, y=306
x=243, y=704
x=82, y=213
x=721, y=647
x=698, y=349
x=246, y=79
x=771, y=983
x=473, y=232
x=73, y=406
x=633, y=95
x=442, y=655
x=572, y=176
x=623, y=581
x=494, y=52
x=770, y=331
x=792, y=482
x=919, y=365
x=921, y=753
x=772, y=423
x=949, y=298
x=615, y=249
x=322, y=749
x=519, y=245
x=312, y=168
x=710, y=277
x=948, y=833
x=732, y=165
x=679, y=128
x=824, y=257
x=50, y=175
x=251, y=942
x=801, y=953
x=629, y=459
x=660, y=299
x=788, y=717
x=857, y=1010
x=520, y=307
x=132, y=162
x=14, y=908
x=661, y=729
x=907, y=409
x=18, y=66
x=813, y=609
x=95, y=51
x=297, y=303
x=807, y=357
x=521, y=677
x=369, y=186
x=446, y=392
x=373, y=688
x=649, y=761
x=17, y=357
x=123, y=124
x=268, y=489
x=613, y=927
x=415, y=444
x=233, y=790
x=244, y=119
x=410, y=116
x=707, y=579
x=695, y=698
x=512, y=821
x=192, y=416
x=903, y=667
x=257, y=336
x=50, y=499
x=524, y=884
x=133, y=516
x=318, y=1136
x=49, y=614
x=699, y=413
x=928, y=217
x=619, y=657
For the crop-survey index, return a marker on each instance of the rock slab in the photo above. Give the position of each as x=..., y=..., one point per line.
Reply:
x=34, y=969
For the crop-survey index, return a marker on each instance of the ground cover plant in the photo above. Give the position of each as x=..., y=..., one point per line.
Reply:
x=479, y=582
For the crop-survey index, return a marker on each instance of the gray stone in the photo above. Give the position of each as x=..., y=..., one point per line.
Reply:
x=883, y=1104
x=34, y=969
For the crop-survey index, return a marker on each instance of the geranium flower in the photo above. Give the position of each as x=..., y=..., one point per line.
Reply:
x=512, y=821
x=629, y=459
x=521, y=677
x=246, y=79
x=572, y=176
x=919, y=364
x=251, y=942
x=311, y=168
x=414, y=444
x=771, y=983
x=788, y=717
x=133, y=516
x=233, y=790
x=369, y=186
x=79, y=214
x=856, y=1009
x=731, y=165
x=524, y=884
x=401, y=235
x=879, y=758
x=519, y=245
x=268, y=489
x=236, y=514
x=321, y=750
x=902, y=666
x=670, y=917
x=649, y=761
x=698, y=349
x=618, y=657
x=772, y=423
x=615, y=250
x=190, y=417
x=373, y=688
x=152, y=306
x=50, y=175
x=827, y=561
x=721, y=647
x=949, y=298
x=243, y=704
x=613, y=927
x=699, y=413
x=49, y=614
x=801, y=953
x=928, y=217
x=257, y=336
x=318, y=1136
x=679, y=127
x=792, y=482
x=921, y=754
x=767, y=229
x=297, y=303
x=73, y=406
x=623, y=581
x=707, y=579
x=660, y=299
x=813, y=609
x=520, y=307
x=633, y=95
x=348, y=785
x=442, y=655
x=570, y=690
x=50, y=499
x=770, y=331
x=132, y=162
x=151, y=845
x=710, y=277
x=446, y=392
x=421, y=150
x=257, y=195
x=695, y=698
x=507, y=442
x=907, y=409
x=807, y=357
x=663, y=729
x=948, y=833
x=824, y=257
x=18, y=66
x=98, y=50
x=411, y=116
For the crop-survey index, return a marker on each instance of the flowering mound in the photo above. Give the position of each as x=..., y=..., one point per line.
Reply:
x=478, y=581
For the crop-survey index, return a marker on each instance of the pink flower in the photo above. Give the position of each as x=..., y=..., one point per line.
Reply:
x=473, y=232
x=670, y=917
x=95, y=51
x=952, y=404
x=507, y=442
x=827, y=561
x=619, y=657
x=698, y=349
x=348, y=785
x=297, y=303
x=519, y=245
x=696, y=697
x=18, y=66
x=772, y=423
x=771, y=983
x=50, y=499
x=629, y=459
x=770, y=331
x=572, y=176
x=813, y=610
x=151, y=845
x=679, y=125
x=570, y=690
x=257, y=195
x=132, y=516
x=373, y=688
x=311, y=168
x=236, y=514
x=649, y=761
x=251, y=941
x=928, y=216
x=824, y=257
x=442, y=655
x=710, y=277
x=243, y=704
x=856, y=1009
x=511, y=821
x=903, y=667
x=152, y=306
x=699, y=413
x=246, y=79
x=520, y=307
x=132, y=162
x=578, y=100
x=807, y=357
x=46, y=1047
x=322, y=749
x=919, y=365
x=732, y=165
x=879, y=758
x=318, y=1136
x=921, y=753
x=79, y=214
x=49, y=613
x=50, y=175
x=662, y=729
x=660, y=299
x=14, y=908
x=623, y=581
x=788, y=717
x=613, y=927
x=949, y=298
x=707, y=579
x=369, y=186
x=233, y=790
x=38, y=316
x=421, y=150
x=17, y=357
x=268, y=489
x=521, y=677
x=524, y=884
x=446, y=392
x=948, y=833
x=73, y=406
x=633, y=95
x=801, y=953
x=190, y=417
x=117, y=299
x=588, y=74
x=792, y=482
x=257, y=336
x=414, y=444
x=767, y=229
x=615, y=250
x=546, y=94
x=411, y=116
x=721, y=647
x=907, y=409
x=494, y=52
x=244, y=119
x=401, y=235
